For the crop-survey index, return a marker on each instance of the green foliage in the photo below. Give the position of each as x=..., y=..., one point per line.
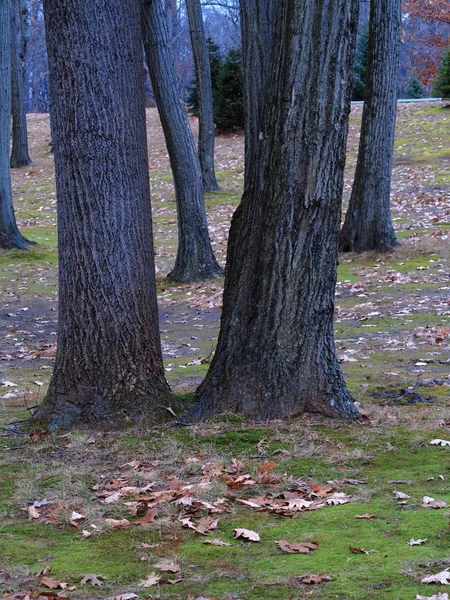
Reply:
x=441, y=87
x=360, y=66
x=414, y=88
x=227, y=88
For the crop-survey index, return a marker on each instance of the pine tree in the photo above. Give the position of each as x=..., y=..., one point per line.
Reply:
x=360, y=65
x=414, y=88
x=229, y=112
x=441, y=87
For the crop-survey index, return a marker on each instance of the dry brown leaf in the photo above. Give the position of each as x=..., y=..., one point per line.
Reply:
x=92, y=579
x=149, y=517
x=296, y=547
x=442, y=578
x=247, y=534
x=266, y=467
x=217, y=542
x=150, y=581
x=45, y=571
x=413, y=542
x=52, y=583
x=128, y=596
x=118, y=523
x=401, y=496
x=366, y=516
x=314, y=579
x=167, y=565
x=33, y=512
x=358, y=550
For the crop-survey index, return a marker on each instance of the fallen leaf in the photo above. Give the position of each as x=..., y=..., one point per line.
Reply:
x=314, y=579
x=37, y=435
x=296, y=547
x=217, y=542
x=401, y=496
x=439, y=442
x=128, y=596
x=92, y=579
x=149, y=517
x=33, y=513
x=442, y=578
x=247, y=534
x=150, y=581
x=167, y=565
x=359, y=550
x=118, y=523
x=267, y=466
x=45, y=571
x=52, y=583
x=366, y=516
x=428, y=502
x=413, y=542
x=443, y=596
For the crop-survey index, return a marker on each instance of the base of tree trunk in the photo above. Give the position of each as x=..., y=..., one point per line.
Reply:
x=350, y=241
x=210, y=185
x=9, y=242
x=187, y=273
x=18, y=161
x=252, y=399
x=125, y=409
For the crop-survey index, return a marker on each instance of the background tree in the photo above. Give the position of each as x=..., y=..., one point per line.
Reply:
x=368, y=224
x=441, y=88
x=276, y=355
x=195, y=259
x=360, y=66
x=414, y=89
x=108, y=368
x=206, y=132
x=229, y=114
x=20, y=156
x=10, y=236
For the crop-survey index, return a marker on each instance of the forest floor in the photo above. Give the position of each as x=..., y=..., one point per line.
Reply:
x=140, y=510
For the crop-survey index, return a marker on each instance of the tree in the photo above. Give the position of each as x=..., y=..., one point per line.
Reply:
x=215, y=65
x=275, y=355
x=205, y=95
x=368, y=224
x=414, y=89
x=441, y=88
x=195, y=259
x=229, y=113
x=19, y=153
x=108, y=370
x=360, y=66
x=10, y=236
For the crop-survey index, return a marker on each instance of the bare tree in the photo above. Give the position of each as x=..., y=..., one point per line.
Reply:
x=275, y=355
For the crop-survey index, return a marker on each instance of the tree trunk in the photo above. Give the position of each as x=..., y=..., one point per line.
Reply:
x=195, y=259
x=257, y=16
x=19, y=153
x=205, y=97
x=276, y=355
x=25, y=28
x=10, y=236
x=108, y=369
x=368, y=224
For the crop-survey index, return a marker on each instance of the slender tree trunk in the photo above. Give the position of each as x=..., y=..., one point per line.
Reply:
x=19, y=154
x=205, y=96
x=276, y=355
x=108, y=369
x=195, y=259
x=257, y=16
x=25, y=28
x=368, y=224
x=10, y=236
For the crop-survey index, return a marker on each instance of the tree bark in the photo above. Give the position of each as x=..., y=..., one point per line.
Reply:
x=10, y=236
x=205, y=96
x=257, y=16
x=20, y=156
x=368, y=224
x=108, y=370
x=25, y=28
x=195, y=258
x=276, y=355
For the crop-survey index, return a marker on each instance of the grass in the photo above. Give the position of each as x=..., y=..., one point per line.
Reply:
x=388, y=307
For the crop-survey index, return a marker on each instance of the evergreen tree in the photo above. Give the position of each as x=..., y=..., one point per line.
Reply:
x=229, y=111
x=215, y=63
x=414, y=88
x=441, y=87
x=360, y=66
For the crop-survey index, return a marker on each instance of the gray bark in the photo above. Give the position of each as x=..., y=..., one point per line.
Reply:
x=368, y=224
x=108, y=371
x=205, y=96
x=276, y=355
x=20, y=156
x=10, y=236
x=25, y=28
x=195, y=259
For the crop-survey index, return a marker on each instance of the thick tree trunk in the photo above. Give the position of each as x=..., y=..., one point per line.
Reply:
x=10, y=236
x=276, y=355
x=257, y=16
x=19, y=153
x=205, y=96
x=368, y=224
x=195, y=259
x=108, y=369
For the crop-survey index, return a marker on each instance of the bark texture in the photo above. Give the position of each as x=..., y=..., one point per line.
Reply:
x=205, y=96
x=368, y=224
x=20, y=156
x=108, y=369
x=276, y=355
x=10, y=236
x=195, y=258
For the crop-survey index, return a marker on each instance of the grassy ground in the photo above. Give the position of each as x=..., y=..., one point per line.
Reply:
x=393, y=337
